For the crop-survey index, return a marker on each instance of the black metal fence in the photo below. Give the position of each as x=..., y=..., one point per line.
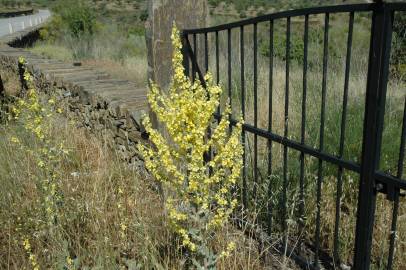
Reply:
x=203, y=50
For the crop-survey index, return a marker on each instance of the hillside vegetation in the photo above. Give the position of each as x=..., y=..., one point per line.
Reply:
x=108, y=35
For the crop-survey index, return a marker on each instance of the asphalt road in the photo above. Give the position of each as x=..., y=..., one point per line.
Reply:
x=15, y=24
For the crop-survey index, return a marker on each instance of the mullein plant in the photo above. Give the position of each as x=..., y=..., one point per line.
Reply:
x=198, y=194
x=35, y=117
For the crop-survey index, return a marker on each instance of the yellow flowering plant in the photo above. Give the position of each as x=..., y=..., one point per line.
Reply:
x=198, y=192
x=34, y=114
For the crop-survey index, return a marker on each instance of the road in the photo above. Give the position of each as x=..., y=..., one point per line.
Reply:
x=15, y=24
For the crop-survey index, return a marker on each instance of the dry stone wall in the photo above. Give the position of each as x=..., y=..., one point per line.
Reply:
x=108, y=107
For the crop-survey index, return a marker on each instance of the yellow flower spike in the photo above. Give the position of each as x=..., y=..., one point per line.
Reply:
x=192, y=185
x=31, y=112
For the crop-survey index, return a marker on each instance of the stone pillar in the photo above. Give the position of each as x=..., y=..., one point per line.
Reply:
x=162, y=15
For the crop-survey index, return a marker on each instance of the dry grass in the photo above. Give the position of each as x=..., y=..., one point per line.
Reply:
x=11, y=82
x=133, y=69
x=99, y=193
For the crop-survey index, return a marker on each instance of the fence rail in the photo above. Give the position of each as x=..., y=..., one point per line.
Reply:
x=201, y=56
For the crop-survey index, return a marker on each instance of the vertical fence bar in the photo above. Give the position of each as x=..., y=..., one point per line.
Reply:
x=285, y=134
x=244, y=172
x=229, y=68
x=401, y=160
x=303, y=127
x=209, y=154
x=2, y=91
x=206, y=52
x=194, y=63
x=186, y=63
x=218, y=69
x=336, y=253
x=393, y=230
x=321, y=145
x=270, y=110
x=217, y=59
x=255, y=109
x=381, y=36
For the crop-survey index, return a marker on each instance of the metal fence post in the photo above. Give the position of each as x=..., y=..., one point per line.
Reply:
x=381, y=35
x=185, y=54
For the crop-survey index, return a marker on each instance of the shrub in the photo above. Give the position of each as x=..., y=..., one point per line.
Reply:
x=144, y=15
x=74, y=17
x=296, y=47
x=198, y=193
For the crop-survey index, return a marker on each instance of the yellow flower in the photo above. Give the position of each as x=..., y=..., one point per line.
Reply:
x=69, y=261
x=15, y=140
x=197, y=190
x=26, y=244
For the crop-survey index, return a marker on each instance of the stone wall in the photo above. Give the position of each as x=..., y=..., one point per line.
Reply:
x=110, y=108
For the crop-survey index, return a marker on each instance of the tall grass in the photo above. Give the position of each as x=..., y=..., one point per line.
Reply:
x=99, y=195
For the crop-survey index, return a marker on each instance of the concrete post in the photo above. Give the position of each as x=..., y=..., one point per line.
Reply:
x=162, y=15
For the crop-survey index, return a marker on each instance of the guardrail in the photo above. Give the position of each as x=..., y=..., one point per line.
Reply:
x=16, y=13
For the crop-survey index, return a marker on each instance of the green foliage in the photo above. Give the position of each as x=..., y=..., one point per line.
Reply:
x=316, y=40
x=296, y=47
x=399, y=46
x=53, y=51
x=242, y=5
x=78, y=16
x=144, y=15
x=73, y=18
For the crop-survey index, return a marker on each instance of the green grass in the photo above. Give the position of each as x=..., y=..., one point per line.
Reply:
x=53, y=51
